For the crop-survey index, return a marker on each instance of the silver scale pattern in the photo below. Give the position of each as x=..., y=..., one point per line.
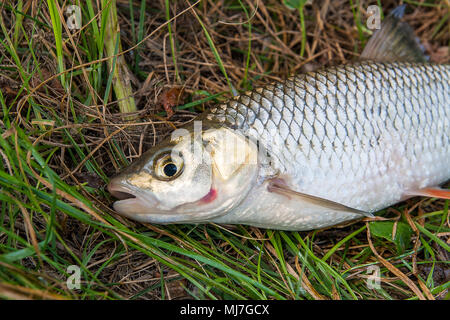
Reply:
x=358, y=134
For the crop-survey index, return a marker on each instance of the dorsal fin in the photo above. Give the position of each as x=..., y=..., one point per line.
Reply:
x=394, y=41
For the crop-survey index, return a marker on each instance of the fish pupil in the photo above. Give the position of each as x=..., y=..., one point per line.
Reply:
x=170, y=169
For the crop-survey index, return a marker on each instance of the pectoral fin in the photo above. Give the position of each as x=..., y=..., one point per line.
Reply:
x=430, y=192
x=277, y=186
x=394, y=41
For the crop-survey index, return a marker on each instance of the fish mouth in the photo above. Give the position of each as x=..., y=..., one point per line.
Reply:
x=119, y=191
x=145, y=207
x=132, y=203
x=121, y=195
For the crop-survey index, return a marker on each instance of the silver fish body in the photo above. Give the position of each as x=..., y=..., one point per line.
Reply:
x=359, y=137
x=312, y=151
x=366, y=135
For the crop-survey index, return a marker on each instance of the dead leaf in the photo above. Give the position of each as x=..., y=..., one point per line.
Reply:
x=172, y=98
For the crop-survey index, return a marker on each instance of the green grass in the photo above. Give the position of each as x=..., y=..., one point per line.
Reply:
x=214, y=51
x=50, y=219
x=171, y=39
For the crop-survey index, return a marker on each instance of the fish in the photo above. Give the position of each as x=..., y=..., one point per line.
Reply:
x=315, y=150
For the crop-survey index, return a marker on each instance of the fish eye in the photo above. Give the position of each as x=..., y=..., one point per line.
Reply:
x=170, y=169
x=168, y=166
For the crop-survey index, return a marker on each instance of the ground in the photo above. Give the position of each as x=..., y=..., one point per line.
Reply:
x=63, y=136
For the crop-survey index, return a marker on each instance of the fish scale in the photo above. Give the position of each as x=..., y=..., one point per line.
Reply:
x=357, y=134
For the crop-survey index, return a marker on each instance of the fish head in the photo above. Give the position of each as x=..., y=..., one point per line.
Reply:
x=189, y=178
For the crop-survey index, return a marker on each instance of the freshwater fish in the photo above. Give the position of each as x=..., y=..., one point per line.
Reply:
x=312, y=151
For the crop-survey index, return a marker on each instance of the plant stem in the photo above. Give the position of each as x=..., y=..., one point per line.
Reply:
x=118, y=67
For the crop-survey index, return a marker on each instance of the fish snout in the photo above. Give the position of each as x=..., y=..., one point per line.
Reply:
x=132, y=203
x=118, y=190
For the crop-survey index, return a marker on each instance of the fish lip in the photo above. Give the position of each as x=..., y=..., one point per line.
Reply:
x=145, y=206
x=119, y=191
x=139, y=206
